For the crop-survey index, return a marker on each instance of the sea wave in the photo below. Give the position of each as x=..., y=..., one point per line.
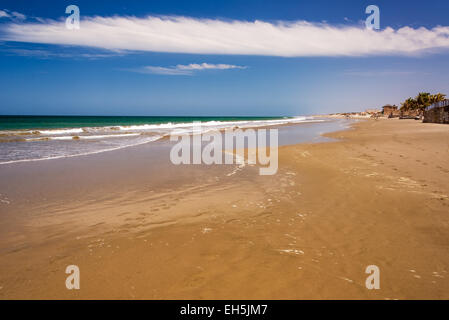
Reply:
x=86, y=131
x=93, y=137
x=219, y=124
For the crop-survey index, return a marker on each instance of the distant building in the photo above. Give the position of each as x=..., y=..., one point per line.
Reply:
x=437, y=112
x=390, y=111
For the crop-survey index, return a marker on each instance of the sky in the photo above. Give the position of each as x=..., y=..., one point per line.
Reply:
x=218, y=58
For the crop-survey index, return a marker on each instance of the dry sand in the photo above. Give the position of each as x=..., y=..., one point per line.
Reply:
x=379, y=196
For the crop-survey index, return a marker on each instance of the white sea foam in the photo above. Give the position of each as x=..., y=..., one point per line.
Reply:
x=219, y=124
x=60, y=131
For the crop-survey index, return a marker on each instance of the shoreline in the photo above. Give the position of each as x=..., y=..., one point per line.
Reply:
x=165, y=139
x=33, y=141
x=306, y=233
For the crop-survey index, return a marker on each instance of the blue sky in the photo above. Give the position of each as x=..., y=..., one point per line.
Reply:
x=89, y=73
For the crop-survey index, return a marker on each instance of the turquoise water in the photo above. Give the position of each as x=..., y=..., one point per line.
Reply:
x=54, y=122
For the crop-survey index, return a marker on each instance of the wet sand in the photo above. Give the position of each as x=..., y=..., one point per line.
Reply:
x=377, y=196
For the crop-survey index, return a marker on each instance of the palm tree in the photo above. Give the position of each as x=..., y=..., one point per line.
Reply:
x=409, y=104
x=404, y=106
x=423, y=100
x=418, y=104
x=437, y=97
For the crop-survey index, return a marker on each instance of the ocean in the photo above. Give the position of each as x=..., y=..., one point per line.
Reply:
x=33, y=138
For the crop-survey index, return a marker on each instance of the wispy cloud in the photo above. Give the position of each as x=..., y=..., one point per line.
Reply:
x=48, y=54
x=377, y=73
x=188, y=69
x=213, y=36
x=208, y=66
x=12, y=15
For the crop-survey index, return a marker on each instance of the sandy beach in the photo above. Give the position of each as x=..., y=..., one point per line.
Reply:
x=376, y=194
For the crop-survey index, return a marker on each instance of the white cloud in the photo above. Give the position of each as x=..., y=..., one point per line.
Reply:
x=205, y=66
x=12, y=15
x=18, y=15
x=45, y=54
x=208, y=36
x=188, y=69
x=4, y=14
